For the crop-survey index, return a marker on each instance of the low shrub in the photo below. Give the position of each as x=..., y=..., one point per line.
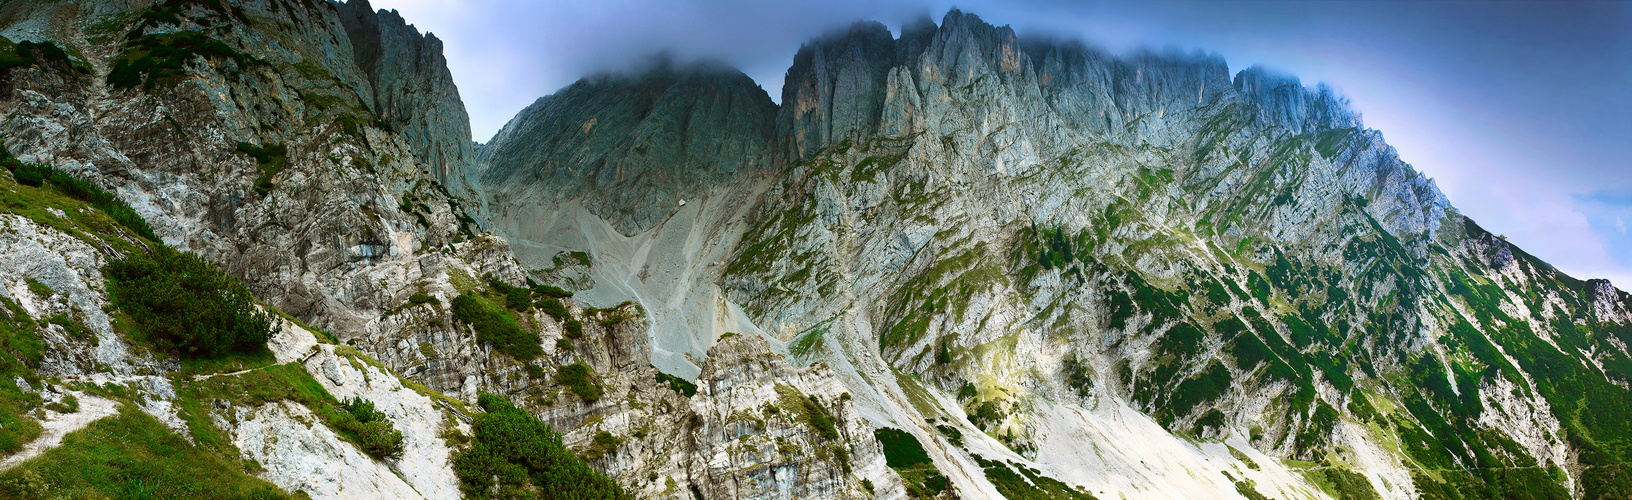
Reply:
x=602, y=444
x=495, y=327
x=552, y=291
x=423, y=298
x=369, y=427
x=516, y=455
x=270, y=158
x=678, y=384
x=906, y=455
x=182, y=301
x=553, y=307
x=37, y=175
x=151, y=59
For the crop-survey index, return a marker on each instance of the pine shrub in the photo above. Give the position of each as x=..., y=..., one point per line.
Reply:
x=180, y=300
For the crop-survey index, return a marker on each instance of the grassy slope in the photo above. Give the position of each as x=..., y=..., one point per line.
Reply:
x=132, y=455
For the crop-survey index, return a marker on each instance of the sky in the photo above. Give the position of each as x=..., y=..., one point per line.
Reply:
x=1520, y=111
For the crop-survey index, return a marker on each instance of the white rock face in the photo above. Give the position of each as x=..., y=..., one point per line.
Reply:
x=425, y=464
x=71, y=267
x=300, y=454
x=753, y=444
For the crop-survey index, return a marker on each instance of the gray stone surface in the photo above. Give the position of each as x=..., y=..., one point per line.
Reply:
x=633, y=146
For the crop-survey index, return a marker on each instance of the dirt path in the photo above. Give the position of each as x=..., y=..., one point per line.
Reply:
x=57, y=425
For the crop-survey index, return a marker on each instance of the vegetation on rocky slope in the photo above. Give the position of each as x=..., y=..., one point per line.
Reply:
x=21, y=351
x=180, y=301
x=906, y=455
x=517, y=456
x=48, y=177
x=132, y=455
x=497, y=327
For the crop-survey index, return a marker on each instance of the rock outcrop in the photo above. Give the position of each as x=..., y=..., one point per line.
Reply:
x=412, y=88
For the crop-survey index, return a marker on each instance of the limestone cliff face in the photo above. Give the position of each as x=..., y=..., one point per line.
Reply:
x=314, y=149
x=633, y=147
x=1049, y=237
x=412, y=88
x=1057, y=270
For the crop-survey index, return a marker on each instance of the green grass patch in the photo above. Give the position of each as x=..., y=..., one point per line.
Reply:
x=132, y=455
x=356, y=420
x=37, y=175
x=21, y=350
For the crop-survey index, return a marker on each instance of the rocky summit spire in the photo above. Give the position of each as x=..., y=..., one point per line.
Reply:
x=413, y=90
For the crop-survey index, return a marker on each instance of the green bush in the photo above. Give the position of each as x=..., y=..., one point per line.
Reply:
x=369, y=427
x=29, y=175
x=519, y=299
x=553, y=307
x=678, y=384
x=43, y=54
x=423, y=298
x=271, y=159
x=516, y=456
x=906, y=455
x=602, y=444
x=552, y=291
x=536, y=372
x=182, y=301
x=1028, y=484
x=574, y=329
x=495, y=327
x=579, y=379
x=901, y=450
x=151, y=59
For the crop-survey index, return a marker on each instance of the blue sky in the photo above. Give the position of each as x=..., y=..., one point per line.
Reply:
x=1521, y=111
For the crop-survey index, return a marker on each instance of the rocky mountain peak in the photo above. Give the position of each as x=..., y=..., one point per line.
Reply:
x=413, y=90
x=640, y=142
x=1283, y=101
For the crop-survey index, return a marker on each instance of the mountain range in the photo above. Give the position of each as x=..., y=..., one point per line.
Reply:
x=251, y=251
